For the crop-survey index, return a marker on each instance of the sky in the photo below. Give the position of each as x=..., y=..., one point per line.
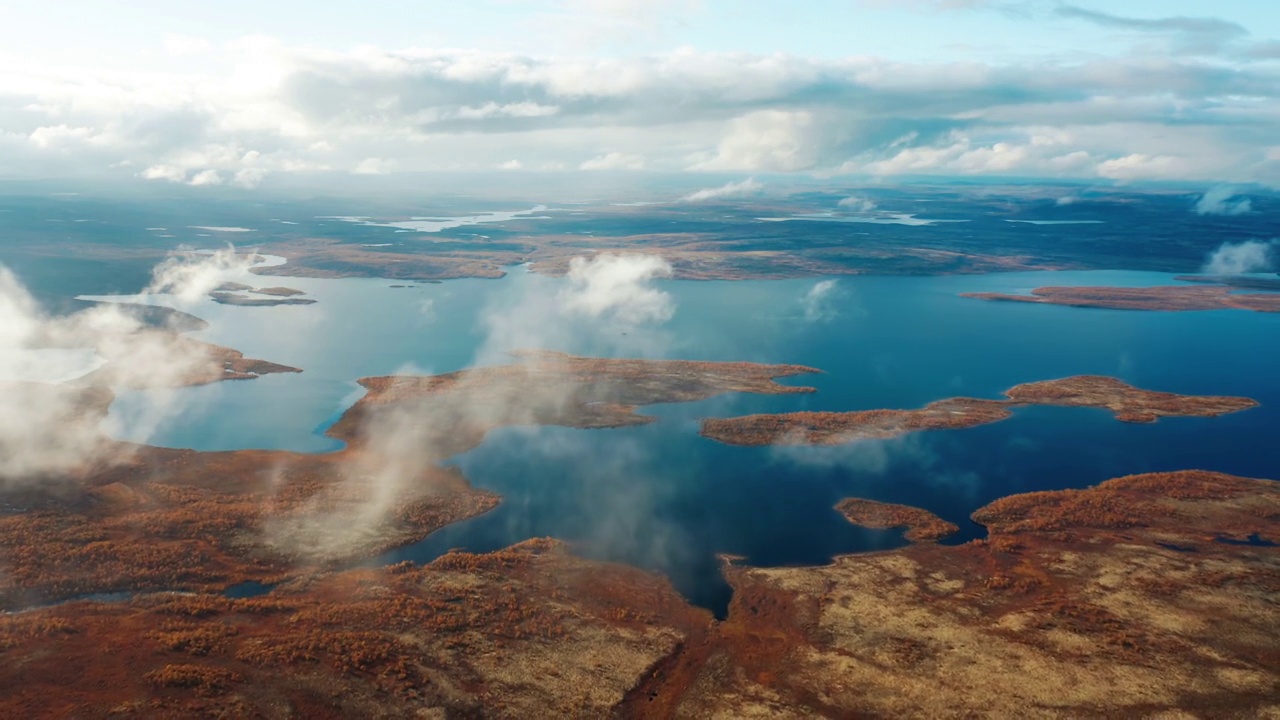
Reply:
x=239, y=93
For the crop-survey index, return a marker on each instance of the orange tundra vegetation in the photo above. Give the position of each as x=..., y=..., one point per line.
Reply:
x=1128, y=403
x=1111, y=601
x=922, y=525
x=160, y=519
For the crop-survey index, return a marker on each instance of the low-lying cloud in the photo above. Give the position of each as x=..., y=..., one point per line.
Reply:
x=617, y=288
x=857, y=204
x=608, y=304
x=730, y=190
x=1222, y=200
x=1239, y=258
x=49, y=429
x=819, y=303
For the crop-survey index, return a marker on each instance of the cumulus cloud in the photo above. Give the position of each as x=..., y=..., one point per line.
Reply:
x=857, y=204
x=617, y=287
x=730, y=190
x=767, y=140
x=608, y=304
x=1235, y=259
x=1221, y=200
x=281, y=109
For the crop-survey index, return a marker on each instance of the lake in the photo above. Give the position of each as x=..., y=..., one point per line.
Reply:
x=661, y=497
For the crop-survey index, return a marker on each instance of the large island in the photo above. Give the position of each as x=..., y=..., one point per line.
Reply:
x=1129, y=404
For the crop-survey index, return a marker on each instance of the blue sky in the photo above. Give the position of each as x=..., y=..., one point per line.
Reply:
x=235, y=91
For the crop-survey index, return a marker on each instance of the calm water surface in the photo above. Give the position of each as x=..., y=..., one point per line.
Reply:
x=662, y=497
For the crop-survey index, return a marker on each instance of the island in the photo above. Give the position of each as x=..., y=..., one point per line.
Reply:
x=1164, y=298
x=233, y=293
x=1271, y=284
x=1127, y=403
x=921, y=525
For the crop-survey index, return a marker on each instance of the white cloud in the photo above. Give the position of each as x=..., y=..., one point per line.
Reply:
x=857, y=204
x=1246, y=257
x=616, y=287
x=43, y=428
x=205, y=177
x=188, y=276
x=614, y=161
x=819, y=302
x=1219, y=201
x=742, y=188
x=165, y=172
x=1138, y=166
x=270, y=108
x=249, y=177
x=768, y=140
x=511, y=165
x=606, y=305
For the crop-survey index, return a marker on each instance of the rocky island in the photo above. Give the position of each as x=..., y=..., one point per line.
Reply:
x=1129, y=404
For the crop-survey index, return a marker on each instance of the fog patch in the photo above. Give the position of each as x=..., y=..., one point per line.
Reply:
x=822, y=302
x=857, y=204
x=49, y=430
x=1221, y=200
x=608, y=304
x=1237, y=259
x=727, y=191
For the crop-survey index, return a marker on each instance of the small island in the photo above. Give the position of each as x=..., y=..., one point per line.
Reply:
x=921, y=525
x=232, y=293
x=1169, y=298
x=1129, y=404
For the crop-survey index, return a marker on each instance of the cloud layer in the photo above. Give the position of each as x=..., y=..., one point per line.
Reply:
x=1133, y=115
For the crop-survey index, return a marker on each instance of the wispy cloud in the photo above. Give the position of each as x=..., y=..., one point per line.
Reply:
x=819, y=302
x=1195, y=35
x=729, y=190
x=1221, y=200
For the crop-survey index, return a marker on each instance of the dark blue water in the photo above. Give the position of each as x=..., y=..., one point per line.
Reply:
x=661, y=497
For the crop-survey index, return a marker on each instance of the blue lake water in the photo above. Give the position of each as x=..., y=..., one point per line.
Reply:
x=662, y=497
